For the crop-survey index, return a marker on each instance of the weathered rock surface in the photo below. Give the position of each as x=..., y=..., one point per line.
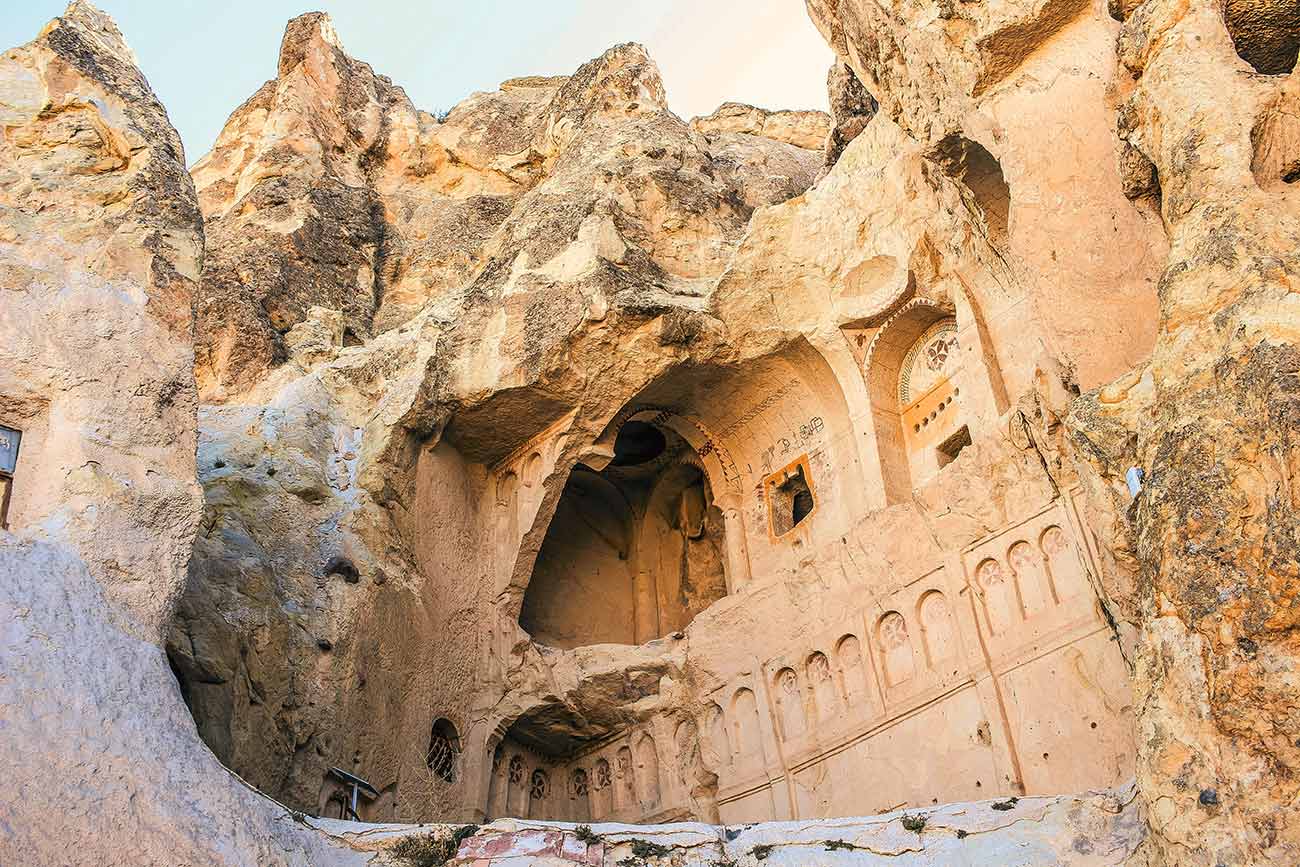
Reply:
x=805, y=129
x=595, y=211
x=566, y=460
x=1101, y=828
x=1020, y=100
x=110, y=768
x=599, y=288
x=852, y=108
x=329, y=188
x=100, y=248
x=1215, y=522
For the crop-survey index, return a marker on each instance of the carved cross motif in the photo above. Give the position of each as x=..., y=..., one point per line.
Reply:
x=819, y=668
x=936, y=354
x=579, y=782
x=990, y=573
x=893, y=630
x=539, y=785
x=603, y=777
x=516, y=769
x=1022, y=557
x=789, y=684
x=1054, y=541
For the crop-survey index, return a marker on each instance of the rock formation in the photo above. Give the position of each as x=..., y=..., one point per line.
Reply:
x=101, y=248
x=564, y=460
x=101, y=244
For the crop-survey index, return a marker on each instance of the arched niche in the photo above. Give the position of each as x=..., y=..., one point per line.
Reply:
x=719, y=471
x=581, y=590
x=680, y=550
x=636, y=549
x=929, y=391
x=443, y=756
x=749, y=420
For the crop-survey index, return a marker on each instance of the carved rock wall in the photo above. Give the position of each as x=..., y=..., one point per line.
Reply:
x=821, y=455
x=630, y=281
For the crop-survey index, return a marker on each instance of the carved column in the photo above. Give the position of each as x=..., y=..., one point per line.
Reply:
x=737, y=550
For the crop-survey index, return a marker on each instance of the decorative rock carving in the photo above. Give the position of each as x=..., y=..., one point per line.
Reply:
x=539, y=786
x=938, y=629
x=999, y=602
x=1031, y=578
x=823, y=686
x=579, y=795
x=647, y=773
x=848, y=654
x=516, y=790
x=602, y=795
x=895, y=648
x=1067, y=574
x=789, y=699
x=744, y=724
x=510, y=357
x=516, y=769
x=719, y=742
x=507, y=486
x=624, y=780
x=934, y=356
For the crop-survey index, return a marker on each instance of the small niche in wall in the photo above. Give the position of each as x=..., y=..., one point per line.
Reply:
x=444, y=750
x=948, y=450
x=790, y=498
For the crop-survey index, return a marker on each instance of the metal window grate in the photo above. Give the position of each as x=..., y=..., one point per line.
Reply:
x=444, y=749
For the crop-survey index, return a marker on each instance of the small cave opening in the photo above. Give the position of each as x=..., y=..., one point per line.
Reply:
x=638, y=443
x=632, y=552
x=1265, y=33
x=948, y=450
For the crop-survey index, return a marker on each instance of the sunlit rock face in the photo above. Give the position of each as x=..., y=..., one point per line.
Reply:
x=475, y=278
x=564, y=460
x=671, y=502
x=100, y=246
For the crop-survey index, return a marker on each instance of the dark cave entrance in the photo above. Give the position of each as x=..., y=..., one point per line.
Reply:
x=633, y=552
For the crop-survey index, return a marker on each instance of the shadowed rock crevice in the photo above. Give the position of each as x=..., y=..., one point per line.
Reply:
x=1265, y=33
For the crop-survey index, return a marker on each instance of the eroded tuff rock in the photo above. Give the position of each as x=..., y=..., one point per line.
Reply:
x=101, y=242
x=598, y=215
x=329, y=188
x=1215, y=524
x=805, y=129
x=1020, y=99
x=99, y=233
x=852, y=108
x=632, y=282
x=565, y=460
x=108, y=747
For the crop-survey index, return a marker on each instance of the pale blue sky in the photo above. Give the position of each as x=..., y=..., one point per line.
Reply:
x=205, y=58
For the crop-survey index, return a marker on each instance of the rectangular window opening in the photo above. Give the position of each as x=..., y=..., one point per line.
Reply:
x=790, y=497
